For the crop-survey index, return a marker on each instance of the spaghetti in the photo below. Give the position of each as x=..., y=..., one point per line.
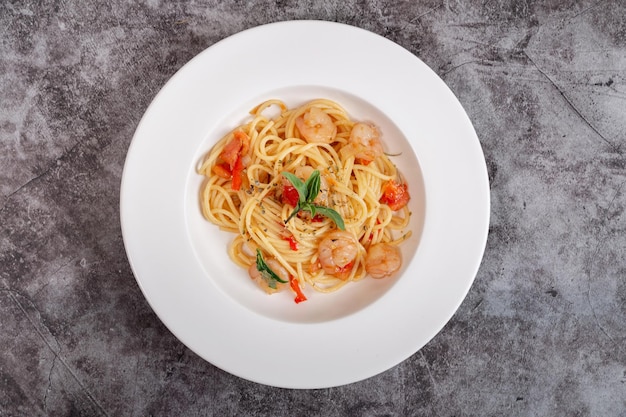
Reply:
x=310, y=195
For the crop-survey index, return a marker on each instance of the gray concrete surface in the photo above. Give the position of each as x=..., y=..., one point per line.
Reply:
x=542, y=331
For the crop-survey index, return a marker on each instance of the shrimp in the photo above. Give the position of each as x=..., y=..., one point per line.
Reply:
x=337, y=253
x=278, y=269
x=316, y=126
x=365, y=139
x=383, y=260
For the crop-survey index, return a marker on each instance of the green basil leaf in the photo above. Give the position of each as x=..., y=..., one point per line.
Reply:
x=331, y=214
x=307, y=191
x=267, y=273
x=294, y=212
x=297, y=184
x=310, y=208
x=313, y=186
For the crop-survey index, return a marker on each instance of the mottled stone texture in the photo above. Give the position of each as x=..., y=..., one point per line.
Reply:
x=542, y=331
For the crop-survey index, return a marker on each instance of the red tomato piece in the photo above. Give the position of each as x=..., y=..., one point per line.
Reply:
x=395, y=195
x=244, y=140
x=237, y=175
x=235, y=148
x=296, y=288
x=230, y=153
x=223, y=171
x=290, y=195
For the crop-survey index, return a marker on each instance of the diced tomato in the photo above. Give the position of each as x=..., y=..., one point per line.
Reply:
x=293, y=244
x=296, y=288
x=237, y=175
x=223, y=171
x=230, y=153
x=243, y=138
x=235, y=148
x=395, y=195
x=290, y=195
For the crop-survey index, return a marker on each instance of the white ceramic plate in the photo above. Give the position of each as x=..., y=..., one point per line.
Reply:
x=180, y=260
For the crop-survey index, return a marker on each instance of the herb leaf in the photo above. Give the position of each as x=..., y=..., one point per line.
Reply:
x=331, y=214
x=295, y=211
x=266, y=272
x=307, y=191
x=313, y=186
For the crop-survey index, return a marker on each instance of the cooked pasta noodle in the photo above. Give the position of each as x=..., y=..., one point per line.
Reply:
x=245, y=192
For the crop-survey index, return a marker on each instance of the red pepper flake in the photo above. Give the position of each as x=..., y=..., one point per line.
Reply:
x=296, y=288
x=293, y=243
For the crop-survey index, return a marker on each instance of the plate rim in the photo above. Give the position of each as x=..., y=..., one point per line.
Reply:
x=257, y=375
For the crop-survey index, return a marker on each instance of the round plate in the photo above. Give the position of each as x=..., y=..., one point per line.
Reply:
x=180, y=260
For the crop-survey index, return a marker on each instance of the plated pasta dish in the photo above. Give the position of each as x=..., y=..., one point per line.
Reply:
x=311, y=196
